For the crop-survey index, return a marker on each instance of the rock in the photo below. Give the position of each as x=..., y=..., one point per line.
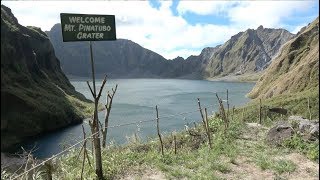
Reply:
x=308, y=129
x=253, y=125
x=280, y=132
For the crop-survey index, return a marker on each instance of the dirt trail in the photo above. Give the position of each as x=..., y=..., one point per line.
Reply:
x=146, y=173
x=244, y=166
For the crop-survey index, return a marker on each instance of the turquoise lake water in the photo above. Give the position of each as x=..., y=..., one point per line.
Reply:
x=135, y=101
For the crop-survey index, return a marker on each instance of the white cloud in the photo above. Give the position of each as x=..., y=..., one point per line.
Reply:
x=155, y=29
x=266, y=13
x=158, y=29
x=182, y=53
x=249, y=14
x=204, y=7
x=298, y=28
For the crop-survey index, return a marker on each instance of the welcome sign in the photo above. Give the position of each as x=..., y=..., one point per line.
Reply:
x=87, y=27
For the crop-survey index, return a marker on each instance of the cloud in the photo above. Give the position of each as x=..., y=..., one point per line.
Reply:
x=157, y=28
x=205, y=7
x=266, y=13
x=298, y=28
x=250, y=14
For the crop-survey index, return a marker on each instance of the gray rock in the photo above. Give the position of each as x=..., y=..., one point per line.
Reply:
x=253, y=125
x=280, y=132
x=309, y=129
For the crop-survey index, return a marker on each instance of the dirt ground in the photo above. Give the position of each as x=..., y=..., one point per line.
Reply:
x=243, y=167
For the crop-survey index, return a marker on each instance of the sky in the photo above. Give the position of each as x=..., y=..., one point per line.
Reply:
x=175, y=28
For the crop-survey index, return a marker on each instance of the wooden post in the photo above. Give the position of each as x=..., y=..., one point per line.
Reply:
x=223, y=114
x=208, y=129
x=203, y=120
x=97, y=145
x=243, y=115
x=158, y=129
x=84, y=152
x=48, y=166
x=228, y=104
x=309, y=109
x=233, y=108
x=175, y=144
x=260, y=109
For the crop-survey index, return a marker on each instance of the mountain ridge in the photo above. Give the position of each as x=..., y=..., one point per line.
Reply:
x=127, y=59
x=247, y=52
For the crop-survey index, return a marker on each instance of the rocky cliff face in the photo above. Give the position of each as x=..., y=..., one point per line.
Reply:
x=124, y=59
x=120, y=58
x=192, y=67
x=35, y=93
x=295, y=69
x=246, y=52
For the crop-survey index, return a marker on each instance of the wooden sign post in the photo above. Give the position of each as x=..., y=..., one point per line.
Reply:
x=89, y=27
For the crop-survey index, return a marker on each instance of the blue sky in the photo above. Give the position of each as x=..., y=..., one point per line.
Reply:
x=175, y=28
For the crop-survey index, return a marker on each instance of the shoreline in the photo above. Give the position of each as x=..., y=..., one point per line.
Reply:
x=245, y=78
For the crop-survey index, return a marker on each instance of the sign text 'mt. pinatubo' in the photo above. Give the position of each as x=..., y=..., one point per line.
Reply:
x=85, y=27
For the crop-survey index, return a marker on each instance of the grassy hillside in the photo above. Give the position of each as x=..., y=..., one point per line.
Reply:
x=240, y=153
x=295, y=69
x=36, y=97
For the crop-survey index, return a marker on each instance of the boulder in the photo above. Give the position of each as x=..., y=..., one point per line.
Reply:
x=280, y=132
x=309, y=129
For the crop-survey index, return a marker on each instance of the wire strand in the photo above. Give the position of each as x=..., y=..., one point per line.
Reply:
x=89, y=137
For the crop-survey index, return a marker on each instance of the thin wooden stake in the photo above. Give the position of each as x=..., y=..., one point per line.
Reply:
x=309, y=109
x=84, y=152
x=203, y=120
x=242, y=114
x=97, y=145
x=233, y=108
x=228, y=104
x=223, y=114
x=175, y=144
x=260, y=109
x=208, y=130
x=158, y=129
x=48, y=166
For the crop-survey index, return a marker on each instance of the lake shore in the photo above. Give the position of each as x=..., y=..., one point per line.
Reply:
x=250, y=78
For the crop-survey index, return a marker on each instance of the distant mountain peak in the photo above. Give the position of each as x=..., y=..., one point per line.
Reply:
x=260, y=27
x=251, y=49
x=247, y=52
x=177, y=58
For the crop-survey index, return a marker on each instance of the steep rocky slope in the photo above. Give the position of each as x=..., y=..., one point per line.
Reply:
x=247, y=52
x=295, y=69
x=120, y=58
x=36, y=96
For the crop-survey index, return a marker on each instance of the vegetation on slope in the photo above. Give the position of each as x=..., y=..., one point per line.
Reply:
x=239, y=154
x=36, y=97
x=295, y=69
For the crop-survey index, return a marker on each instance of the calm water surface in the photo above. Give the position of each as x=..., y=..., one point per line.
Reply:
x=135, y=101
